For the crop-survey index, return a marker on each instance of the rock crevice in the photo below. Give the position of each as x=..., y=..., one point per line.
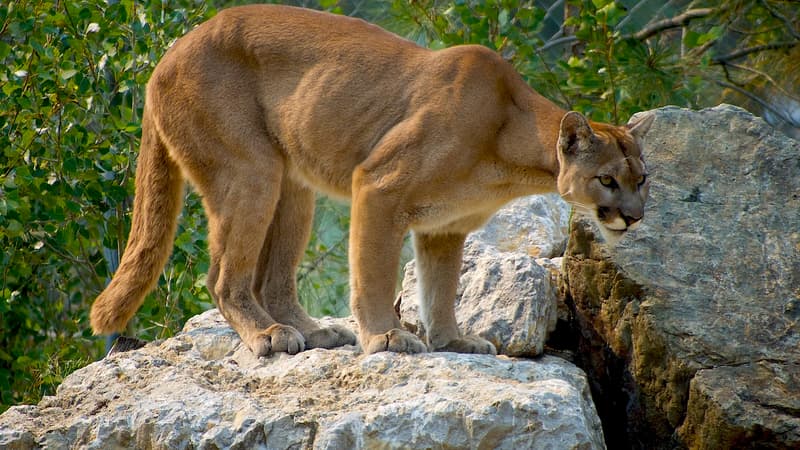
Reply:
x=708, y=285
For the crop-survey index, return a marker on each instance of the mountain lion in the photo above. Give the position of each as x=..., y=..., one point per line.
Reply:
x=263, y=105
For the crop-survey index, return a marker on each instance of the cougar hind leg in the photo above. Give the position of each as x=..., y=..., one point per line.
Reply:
x=239, y=178
x=214, y=128
x=275, y=282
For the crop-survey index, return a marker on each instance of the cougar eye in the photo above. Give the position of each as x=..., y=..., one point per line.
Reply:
x=608, y=181
x=640, y=181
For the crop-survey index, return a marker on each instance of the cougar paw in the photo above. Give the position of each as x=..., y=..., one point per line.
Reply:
x=394, y=340
x=469, y=344
x=330, y=337
x=279, y=338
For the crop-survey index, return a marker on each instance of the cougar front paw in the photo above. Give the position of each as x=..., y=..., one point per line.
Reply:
x=469, y=344
x=394, y=340
x=278, y=338
x=330, y=337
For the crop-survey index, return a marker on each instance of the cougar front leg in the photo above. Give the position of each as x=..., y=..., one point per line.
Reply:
x=276, y=279
x=438, y=265
x=376, y=238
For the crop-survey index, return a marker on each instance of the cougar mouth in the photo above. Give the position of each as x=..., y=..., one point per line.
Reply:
x=618, y=225
x=613, y=230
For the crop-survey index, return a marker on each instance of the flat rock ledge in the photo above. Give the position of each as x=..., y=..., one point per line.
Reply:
x=204, y=389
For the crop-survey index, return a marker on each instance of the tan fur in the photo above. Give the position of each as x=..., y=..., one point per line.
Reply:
x=263, y=105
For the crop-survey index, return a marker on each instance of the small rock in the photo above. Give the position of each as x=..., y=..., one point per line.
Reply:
x=504, y=297
x=537, y=225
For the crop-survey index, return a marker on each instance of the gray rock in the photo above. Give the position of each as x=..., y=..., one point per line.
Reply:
x=503, y=296
x=710, y=281
x=204, y=389
x=728, y=405
x=537, y=225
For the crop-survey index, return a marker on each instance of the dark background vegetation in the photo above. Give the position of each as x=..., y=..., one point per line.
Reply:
x=72, y=77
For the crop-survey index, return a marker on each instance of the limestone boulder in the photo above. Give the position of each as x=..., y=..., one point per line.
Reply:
x=689, y=327
x=203, y=389
x=537, y=225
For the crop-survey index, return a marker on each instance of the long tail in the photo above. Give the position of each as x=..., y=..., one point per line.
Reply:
x=157, y=202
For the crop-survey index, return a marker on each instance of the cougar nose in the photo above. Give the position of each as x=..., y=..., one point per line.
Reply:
x=630, y=220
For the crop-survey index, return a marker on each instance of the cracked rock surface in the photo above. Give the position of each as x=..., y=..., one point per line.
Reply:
x=203, y=389
x=689, y=328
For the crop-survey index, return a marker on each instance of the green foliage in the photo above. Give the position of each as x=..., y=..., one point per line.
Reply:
x=72, y=78
x=323, y=274
x=598, y=69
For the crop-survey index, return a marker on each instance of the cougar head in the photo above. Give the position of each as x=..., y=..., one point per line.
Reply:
x=602, y=171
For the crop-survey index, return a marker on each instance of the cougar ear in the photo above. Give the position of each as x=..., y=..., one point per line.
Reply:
x=639, y=127
x=575, y=133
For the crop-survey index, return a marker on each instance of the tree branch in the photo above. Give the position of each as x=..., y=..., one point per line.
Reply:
x=767, y=77
x=788, y=23
x=555, y=42
x=698, y=51
x=647, y=32
x=636, y=7
x=675, y=22
x=764, y=104
x=754, y=49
